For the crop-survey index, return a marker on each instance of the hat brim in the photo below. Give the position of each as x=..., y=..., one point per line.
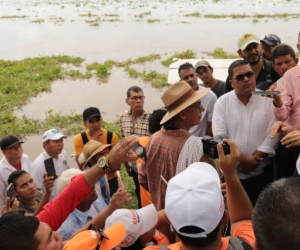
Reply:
x=244, y=46
x=92, y=116
x=268, y=42
x=197, y=95
x=56, y=137
x=13, y=144
x=116, y=234
x=101, y=148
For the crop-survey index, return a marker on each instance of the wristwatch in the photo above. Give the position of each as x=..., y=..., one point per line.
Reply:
x=103, y=163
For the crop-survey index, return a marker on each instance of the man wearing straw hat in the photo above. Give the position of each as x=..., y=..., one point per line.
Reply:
x=184, y=110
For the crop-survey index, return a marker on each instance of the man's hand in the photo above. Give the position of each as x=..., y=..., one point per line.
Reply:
x=276, y=98
x=119, y=199
x=48, y=183
x=279, y=127
x=118, y=154
x=97, y=136
x=292, y=139
x=248, y=163
x=228, y=162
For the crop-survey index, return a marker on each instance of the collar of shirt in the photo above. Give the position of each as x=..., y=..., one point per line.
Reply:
x=7, y=165
x=81, y=216
x=238, y=100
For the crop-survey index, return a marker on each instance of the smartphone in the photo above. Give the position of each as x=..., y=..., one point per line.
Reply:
x=164, y=181
x=265, y=92
x=10, y=192
x=139, y=150
x=50, y=169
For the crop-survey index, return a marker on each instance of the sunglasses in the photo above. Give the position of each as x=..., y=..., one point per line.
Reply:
x=241, y=77
x=101, y=233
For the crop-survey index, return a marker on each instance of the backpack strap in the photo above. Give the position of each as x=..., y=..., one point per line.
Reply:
x=84, y=137
x=109, y=137
x=163, y=247
x=236, y=243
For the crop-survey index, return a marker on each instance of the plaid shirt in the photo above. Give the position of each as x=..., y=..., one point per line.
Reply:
x=140, y=128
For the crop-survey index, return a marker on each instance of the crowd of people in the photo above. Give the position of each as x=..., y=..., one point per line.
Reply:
x=187, y=199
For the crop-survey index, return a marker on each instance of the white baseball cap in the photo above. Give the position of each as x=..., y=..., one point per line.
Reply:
x=66, y=177
x=53, y=134
x=194, y=198
x=137, y=222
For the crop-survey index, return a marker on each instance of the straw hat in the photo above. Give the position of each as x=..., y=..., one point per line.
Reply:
x=179, y=96
x=91, y=148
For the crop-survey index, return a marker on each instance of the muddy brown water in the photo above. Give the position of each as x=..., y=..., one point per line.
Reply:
x=131, y=38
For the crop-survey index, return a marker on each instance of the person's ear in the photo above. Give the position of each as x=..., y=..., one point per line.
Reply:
x=127, y=101
x=225, y=218
x=297, y=60
x=240, y=53
x=84, y=123
x=231, y=83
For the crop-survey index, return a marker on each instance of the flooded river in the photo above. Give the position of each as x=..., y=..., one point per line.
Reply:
x=126, y=29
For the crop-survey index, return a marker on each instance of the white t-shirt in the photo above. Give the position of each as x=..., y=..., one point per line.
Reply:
x=38, y=169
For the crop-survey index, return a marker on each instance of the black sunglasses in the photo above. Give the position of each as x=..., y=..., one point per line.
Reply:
x=101, y=233
x=241, y=77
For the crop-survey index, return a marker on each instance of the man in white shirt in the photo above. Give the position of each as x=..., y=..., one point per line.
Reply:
x=187, y=73
x=53, y=148
x=247, y=120
x=13, y=159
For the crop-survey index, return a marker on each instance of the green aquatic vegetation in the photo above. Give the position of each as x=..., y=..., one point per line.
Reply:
x=13, y=16
x=103, y=70
x=153, y=20
x=220, y=53
x=185, y=54
x=40, y=20
x=255, y=21
x=214, y=16
x=148, y=58
x=111, y=20
x=194, y=14
x=22, y=80
x=111, y=15
x=297, y=54
x=143, y=14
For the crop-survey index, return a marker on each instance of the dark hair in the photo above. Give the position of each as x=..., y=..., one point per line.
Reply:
x=283, y=50
x=198, y=242
x=17, y=231
x=134, y=89
x=185, y=66
x=154, y=120
x=276, y=216
x=234, y=65
x=15, y=175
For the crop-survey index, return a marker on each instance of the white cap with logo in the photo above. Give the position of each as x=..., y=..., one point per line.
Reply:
x=53, y=134
x=194, y=198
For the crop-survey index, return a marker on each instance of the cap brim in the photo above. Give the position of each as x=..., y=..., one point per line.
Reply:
x=116, y=234
x=57, y=137
x=101, y=148
x=13, y=144
x=92, y=116
x=267, y=42
x=197, y=95
x=244, y=46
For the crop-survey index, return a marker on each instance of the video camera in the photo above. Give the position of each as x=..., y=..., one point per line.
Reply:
x=210, y=145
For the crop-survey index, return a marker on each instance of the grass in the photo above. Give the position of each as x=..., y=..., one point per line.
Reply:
x=13, y=16
x=182, y=55
x=194, y=14
x=143, y=14
x=220, y=53
x=153, y=20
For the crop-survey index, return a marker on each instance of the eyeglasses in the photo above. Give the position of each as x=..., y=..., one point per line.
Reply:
x=101, y=233
x=189, y=76
x=197, y=105
x=241, y=77
x=135, y=98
